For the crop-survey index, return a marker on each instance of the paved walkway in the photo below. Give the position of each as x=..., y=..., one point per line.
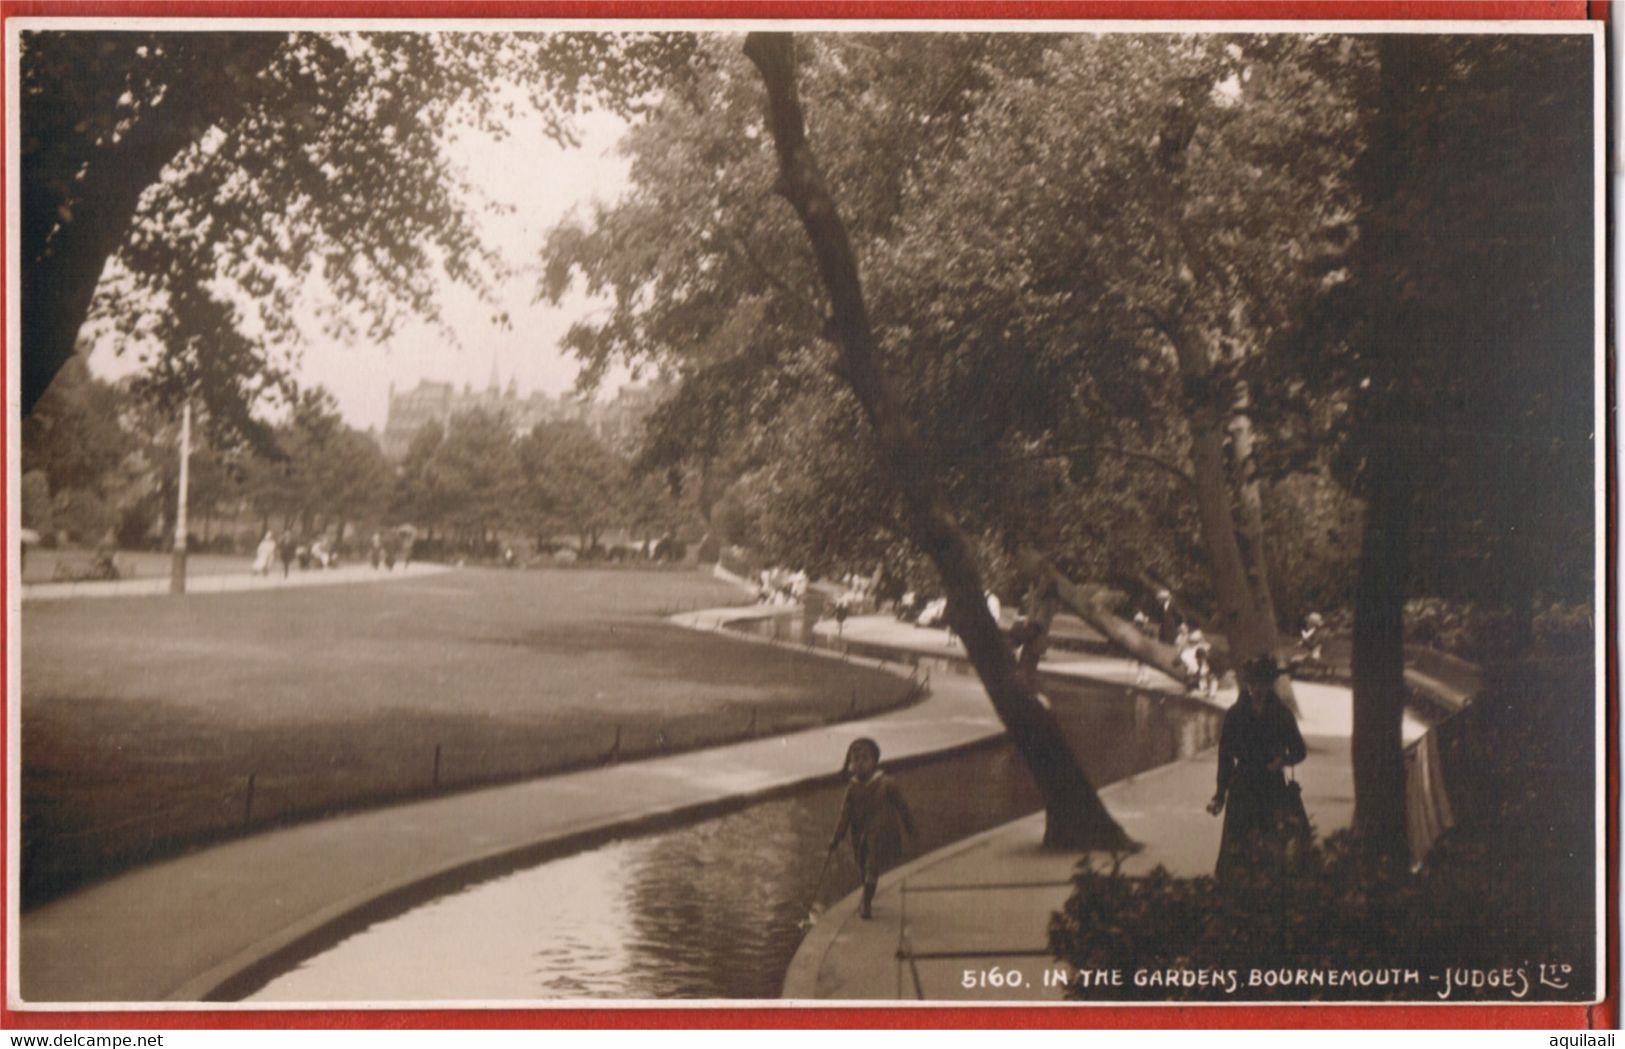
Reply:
x=985, y=902
x=217, y=583
x=210, y=922
x=939, y=649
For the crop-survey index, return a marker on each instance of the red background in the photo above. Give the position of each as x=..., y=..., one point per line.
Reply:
x=1603, y=1015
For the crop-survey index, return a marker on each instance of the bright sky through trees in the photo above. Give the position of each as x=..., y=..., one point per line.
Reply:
x=541, y=182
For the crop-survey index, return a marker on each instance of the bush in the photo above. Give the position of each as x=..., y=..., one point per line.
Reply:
x=36, y=502
x=1341, y=929
x=1510, y=888
x=82, y=514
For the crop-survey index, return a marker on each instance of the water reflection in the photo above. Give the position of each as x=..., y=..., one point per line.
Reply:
x=710, y=910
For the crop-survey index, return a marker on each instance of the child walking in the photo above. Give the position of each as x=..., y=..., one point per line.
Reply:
x=876, y=815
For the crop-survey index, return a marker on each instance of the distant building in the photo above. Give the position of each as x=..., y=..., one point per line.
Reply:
x=618, y=422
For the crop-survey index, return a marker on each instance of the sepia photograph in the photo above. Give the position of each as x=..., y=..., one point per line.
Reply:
x=514, y=515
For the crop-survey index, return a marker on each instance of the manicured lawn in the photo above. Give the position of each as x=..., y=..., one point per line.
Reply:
x=144, y=718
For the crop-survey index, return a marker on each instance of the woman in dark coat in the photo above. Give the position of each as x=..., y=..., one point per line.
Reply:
x=1259, y=740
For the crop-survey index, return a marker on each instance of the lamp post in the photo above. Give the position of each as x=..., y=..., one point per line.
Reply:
x=177, y=567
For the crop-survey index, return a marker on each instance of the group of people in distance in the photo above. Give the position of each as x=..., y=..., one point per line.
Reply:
x=288, y=551
x=384, y=550
x=778, y=586
x=1195, y=650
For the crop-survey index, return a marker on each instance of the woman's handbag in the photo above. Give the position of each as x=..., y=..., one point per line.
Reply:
x=1292, y=819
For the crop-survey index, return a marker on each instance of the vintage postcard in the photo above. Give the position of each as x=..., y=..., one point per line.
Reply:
x=510, y=514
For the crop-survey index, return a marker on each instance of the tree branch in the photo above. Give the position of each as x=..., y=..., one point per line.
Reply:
x=741, y=249
x=1166, y=465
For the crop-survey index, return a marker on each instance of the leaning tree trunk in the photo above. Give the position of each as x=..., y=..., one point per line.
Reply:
x=1087, y=601
x=1379, y=659
x=1075, y=817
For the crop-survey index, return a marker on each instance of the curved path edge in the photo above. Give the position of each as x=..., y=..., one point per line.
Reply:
x=211, y=925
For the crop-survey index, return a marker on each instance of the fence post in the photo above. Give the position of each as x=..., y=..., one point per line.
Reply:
x=248, y=801
x=437, y=764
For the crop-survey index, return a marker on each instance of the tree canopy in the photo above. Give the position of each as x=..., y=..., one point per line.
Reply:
x=1005, y=231
x=225, y=173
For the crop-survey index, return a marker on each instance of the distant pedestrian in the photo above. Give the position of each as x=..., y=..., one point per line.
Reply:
x=843, y=608
x=1263, y=813
x=265, y=554
x=287, y=550
x=1197, y=656
x=1169, y=621
x=376, y=553
x=105, y=565
x=874, y=814
x=1310, y=636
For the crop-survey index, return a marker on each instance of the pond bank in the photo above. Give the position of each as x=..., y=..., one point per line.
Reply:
x=228, y=914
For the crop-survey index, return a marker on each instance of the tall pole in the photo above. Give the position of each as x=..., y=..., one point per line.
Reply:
x=177, y=569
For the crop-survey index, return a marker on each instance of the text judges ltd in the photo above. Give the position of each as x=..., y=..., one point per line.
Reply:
x=1514, y=982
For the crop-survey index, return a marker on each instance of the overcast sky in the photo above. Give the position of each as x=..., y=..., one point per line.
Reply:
x=543, y=182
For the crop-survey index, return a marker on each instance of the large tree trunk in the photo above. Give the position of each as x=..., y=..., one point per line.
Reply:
x=1239, y=616
x=1379, y=659
x=1245, y=621
x=1250, y=533
x=1379, y=601
x=59, y=277
x=1248, y=623
x=1075, y=816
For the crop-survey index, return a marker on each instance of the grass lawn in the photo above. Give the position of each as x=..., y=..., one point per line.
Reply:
x=144, y=718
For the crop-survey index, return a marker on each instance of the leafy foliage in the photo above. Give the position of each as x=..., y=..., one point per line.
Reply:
x=993, y=189
x=74, y=437
x=323, y=473
x=230, y=172
x=474, y=473
x=572, y=482
x=1340, y=915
